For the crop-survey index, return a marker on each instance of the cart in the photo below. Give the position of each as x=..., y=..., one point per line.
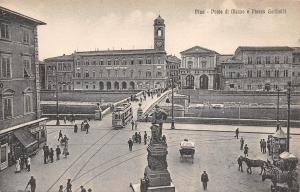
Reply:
x=187, y=150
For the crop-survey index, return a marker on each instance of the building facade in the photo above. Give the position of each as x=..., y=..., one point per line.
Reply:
x=112, y=69
x=59, y=72
x=172, y=67
x=21, y=129
x=198, y=69
x=259, y=69
x=296, y=68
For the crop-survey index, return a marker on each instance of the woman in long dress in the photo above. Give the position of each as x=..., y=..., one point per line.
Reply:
x=18, y=166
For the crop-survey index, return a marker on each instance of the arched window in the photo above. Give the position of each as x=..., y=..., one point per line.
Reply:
x=49, y=87
x=7, y=103
x=116, y=85
x=108, y=85
x=101, y=85
x=124, y=85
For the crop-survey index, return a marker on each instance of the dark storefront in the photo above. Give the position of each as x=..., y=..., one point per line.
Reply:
x=23, y=139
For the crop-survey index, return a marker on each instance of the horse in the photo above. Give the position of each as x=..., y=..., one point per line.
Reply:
x=254, y=163
x=276, y=177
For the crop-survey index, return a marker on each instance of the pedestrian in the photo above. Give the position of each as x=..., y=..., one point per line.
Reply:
x=145, y=138
x=73, y=117
x=82, y=189
x=140, y=137
x=75, y=128
x=81, y=126
x=18, y=166
x=164, y=139
x=45, y=154
x=65, y=119
x=65, y=152
x=60, y=135
x=87, y=126
x=136, y=125
x=22, y=161
x=69, y=186
x=66, y=139
x=242, y=141
x=264, y=145
x=61, y=188
x=269, y=146
x=32, y=184
x=261, y=145
x=130, y=143
x=28, y=163
x=132, y=124
x=51, y=154
x=136, y=137
x=58, y=152
x=246, y=149
x=204, y=180
x=237, y=133
x=240, y=162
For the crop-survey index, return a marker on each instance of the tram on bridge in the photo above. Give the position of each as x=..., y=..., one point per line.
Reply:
x=122, y=115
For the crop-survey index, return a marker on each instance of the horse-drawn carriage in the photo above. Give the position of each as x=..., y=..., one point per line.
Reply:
x=187, y=150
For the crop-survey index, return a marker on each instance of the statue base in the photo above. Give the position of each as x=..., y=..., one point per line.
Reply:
x=158, y=177
x=170, y=188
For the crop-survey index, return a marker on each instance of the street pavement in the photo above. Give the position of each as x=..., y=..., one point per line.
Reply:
x=101, y=160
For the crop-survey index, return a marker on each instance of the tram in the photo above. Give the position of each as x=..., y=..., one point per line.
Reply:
x=122, y=115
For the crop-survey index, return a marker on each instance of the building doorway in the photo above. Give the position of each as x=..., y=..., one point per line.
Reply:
x=124, y=85
x=190, y=81
x=3, y=156
x=101, y=85
x=267, y=87
x=203, y=82
x=116, y=86
x=131, y=85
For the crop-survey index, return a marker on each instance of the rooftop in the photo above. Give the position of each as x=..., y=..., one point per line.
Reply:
x=4, y=11
x=263, y=48
x=198, y=50
x=119, y=52
x=60, y=58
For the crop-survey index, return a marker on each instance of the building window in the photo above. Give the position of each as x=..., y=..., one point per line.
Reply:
x=94, y=86
x=258, y=60
x=27, y=67
x=132, y=62
x=101, y=62
x=116, y=62
x=159, y=32
x=286, y=73
x=158, y=60
x=140, y=61
x=5, y=68
x=78, y=82
x=258, y=73
x=231, y=86
x=159, y=74
x=268, y=60
x=100, y=73
x=203, y=63
x=7, y=107
x=116, y=73
x=140, y=73
x=94, y=74
x=250, y=74
x=148, y=61
x=249, y=60
x=94, y=62
x=124, y=72
x=276, y=59
x=249, y=87
x=109, y=62
x=87, y=74
x=268, y=73
x=26, y=36
x=27, y=103
x=87, y=86
x=108, y=73
x=49, y=87
x=4, y=31
x=131, y=73
x=286, y=59
x=78, y=74
x=148, y=74
x=276, y=73
x=259, y=86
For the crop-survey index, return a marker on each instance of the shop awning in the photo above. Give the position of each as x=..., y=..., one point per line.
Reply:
x=25, y=137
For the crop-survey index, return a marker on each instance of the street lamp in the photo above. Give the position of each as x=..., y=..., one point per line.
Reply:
x=278, y=124
x=289, y=88
x=172, y=111
x=56, y=94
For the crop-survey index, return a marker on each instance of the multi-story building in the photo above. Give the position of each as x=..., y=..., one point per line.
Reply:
x=21, y=128
x=261, y=68
x=198, y=69
x=112, y=69
x=172, y=66
x=296, y=68
x=59, y=73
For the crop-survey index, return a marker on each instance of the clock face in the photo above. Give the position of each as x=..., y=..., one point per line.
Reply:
x=159, y=43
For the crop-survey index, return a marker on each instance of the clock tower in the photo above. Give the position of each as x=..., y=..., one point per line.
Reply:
x=159, y=34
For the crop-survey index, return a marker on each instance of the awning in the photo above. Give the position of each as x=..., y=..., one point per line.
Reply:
x=280, y=134
x=25, y=137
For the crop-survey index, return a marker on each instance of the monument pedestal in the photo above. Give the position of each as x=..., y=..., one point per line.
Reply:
x=158, y=177
x=170, y=188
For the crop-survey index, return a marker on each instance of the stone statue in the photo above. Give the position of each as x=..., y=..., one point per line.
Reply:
x=158, y=117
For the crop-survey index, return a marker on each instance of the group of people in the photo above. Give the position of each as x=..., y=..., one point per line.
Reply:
x=23, y=162
x=263, y=146
x=242, y=147
x=69, y=188
x=71, y=119
x=84, y=126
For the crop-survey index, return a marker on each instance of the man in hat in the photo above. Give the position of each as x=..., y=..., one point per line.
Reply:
x=204, y=180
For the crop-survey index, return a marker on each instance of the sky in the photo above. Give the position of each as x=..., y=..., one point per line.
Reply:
x=85, y=25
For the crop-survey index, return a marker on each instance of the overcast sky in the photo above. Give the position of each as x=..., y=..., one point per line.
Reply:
x=85, y=25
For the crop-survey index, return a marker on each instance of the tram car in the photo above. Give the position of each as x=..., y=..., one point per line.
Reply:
x=122, y=115
x=187, y=150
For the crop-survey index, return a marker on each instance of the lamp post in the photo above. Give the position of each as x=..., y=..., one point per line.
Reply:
x=289, y=87
x=56, y=94
x=277, y=116
x=172, y=110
